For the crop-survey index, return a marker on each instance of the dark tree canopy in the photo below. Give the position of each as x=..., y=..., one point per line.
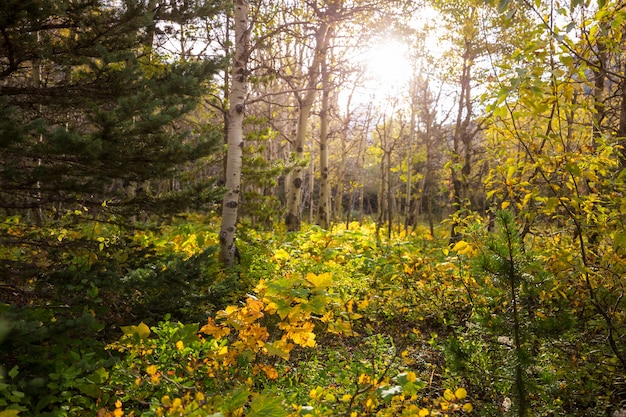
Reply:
x=88, y=106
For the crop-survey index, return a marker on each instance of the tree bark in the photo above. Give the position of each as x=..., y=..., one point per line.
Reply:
x=324, y=206
x=409, y=170
x=622, y=122
x=234, y=154
x=462, y=137
x=293, y=218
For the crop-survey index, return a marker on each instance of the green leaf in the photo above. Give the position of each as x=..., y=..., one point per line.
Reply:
x=237, y=399
x=265, y=406
x=188, y=333
x=14, y=371
x=573, y=169
x=99, y=376
x=316, y=305
x=90, y=390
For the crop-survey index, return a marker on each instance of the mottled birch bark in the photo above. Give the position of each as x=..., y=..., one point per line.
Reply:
x=237, y=98
x=293, y=218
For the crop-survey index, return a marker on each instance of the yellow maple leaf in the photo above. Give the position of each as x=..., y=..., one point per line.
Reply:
x=212, y=329
x=301, y=335
x=254, y=304
x=321, y=281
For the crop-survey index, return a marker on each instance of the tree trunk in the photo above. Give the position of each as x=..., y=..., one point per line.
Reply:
x=324, y=207
x=293, y=218
x=462, y=137
x=622, y=122
x=234, y=154
x=409, y=170
x=389, y=197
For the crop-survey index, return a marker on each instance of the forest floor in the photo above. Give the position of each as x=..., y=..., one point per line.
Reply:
x=320, y=323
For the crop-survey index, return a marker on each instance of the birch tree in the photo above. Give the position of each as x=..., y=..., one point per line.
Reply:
x=237, y=99
x=293, y=217
x=324, y=208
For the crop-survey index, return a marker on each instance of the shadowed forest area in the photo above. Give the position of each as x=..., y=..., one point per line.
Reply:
x=324, y=207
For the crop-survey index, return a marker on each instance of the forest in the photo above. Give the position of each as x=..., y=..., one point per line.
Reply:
x=279, y=208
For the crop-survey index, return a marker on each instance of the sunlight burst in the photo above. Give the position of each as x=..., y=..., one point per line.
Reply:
x=388, y=67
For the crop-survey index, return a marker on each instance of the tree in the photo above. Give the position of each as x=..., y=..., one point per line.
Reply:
x=293, y=217
x=462, y=19
x=324, y=209
x=102, y=111
x=551, y=129
x=237, y=100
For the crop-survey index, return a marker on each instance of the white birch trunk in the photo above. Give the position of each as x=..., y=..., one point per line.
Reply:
x=234, y=154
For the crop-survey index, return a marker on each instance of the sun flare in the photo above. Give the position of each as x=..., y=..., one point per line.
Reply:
x=388, y=67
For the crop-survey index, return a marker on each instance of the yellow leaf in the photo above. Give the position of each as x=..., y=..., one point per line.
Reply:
x=313, y=394
x=467, y=407
x=460, y=393
x=151, y=370
x=302, y=335
x=212, y=329
x=180, y=345
x=411, y=377
x=269, y=371
x=9, y=413
x=448, y=395
x=463, y=248
x=505, y=204
x=255, y=305
x=460, y=245
x=423, y=412
x=321, y=281
x=510, y=173
x=141, y=330
x=118, y=409
x=281, y=254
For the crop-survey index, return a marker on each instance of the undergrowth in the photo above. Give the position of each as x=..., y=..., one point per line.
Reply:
x=309, y=323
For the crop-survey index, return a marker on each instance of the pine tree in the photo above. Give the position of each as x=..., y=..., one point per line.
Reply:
x=89, y=112
x=504, y=261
